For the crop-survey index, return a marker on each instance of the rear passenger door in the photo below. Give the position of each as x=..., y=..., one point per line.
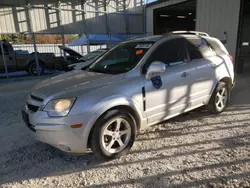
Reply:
x=203, y=73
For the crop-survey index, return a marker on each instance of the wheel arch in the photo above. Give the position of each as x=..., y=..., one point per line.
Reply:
x=128, y=108
x=228, y=81
x=225, y=79
x=34, y=61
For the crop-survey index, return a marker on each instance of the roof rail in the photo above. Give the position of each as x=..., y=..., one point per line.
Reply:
x=189, y=33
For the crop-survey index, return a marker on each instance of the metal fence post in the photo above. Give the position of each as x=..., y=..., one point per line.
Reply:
x=107, y=23
x=36, y=57
x=62, y=28
x=88, y=47
x=82, y=50
x=4, y=61
x=86, y=28
x=144, y=14
x=126, y=19
x=34, y=40
x=63, y=43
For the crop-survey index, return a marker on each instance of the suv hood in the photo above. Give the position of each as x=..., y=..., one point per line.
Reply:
x=72, y=84
x=70, y=51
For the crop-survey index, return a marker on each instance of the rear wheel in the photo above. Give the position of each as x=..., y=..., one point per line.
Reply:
x=219, y=98
x=33, y=69
x=113, y=134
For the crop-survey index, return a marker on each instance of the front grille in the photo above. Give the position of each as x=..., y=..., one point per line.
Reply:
x=27, y=121
x=31, y=127
x=32, y=107
x=36, y=98
x=34, y=103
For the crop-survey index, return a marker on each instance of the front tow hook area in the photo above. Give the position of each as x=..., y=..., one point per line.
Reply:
x=25, y=117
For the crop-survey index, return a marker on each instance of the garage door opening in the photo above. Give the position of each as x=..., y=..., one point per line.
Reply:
x=244, y=39
x=181, y=16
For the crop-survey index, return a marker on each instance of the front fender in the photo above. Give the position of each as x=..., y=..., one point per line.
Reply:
x=111, y=102
x=118, y=100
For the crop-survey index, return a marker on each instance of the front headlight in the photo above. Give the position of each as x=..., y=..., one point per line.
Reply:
x=59, y=107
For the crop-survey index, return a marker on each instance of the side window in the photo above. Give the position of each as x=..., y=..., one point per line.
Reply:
x=198, y=48
x=171, y=53
x=218, y=48
x=5, y=49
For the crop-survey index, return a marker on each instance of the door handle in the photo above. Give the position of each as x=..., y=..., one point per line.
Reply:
x=185, y=74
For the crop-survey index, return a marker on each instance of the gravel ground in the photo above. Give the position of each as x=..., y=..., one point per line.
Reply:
x=196, y=149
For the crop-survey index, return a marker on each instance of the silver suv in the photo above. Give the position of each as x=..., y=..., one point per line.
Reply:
x=136, y=84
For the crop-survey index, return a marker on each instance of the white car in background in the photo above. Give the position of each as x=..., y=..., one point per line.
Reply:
x=87, y=59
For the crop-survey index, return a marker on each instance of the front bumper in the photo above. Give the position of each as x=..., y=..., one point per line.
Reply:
x=57, y=131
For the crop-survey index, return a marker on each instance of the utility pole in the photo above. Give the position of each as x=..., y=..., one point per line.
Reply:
x=106, y=20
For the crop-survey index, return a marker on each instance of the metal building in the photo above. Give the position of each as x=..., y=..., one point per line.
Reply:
x=72, y=17
x=227, y=20
x=38, y=18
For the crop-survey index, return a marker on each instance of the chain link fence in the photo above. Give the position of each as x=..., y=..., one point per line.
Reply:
x=36, y=37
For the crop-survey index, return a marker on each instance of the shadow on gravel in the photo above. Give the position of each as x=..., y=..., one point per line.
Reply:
x=159, y=179
x=38, y=155
x=51, y=161
x=225, y=140
x=178, y=131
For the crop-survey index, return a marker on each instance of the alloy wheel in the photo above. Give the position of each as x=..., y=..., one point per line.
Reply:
x=116, y=135
x=221, y=98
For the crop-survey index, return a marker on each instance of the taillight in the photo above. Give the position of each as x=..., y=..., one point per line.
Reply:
x=231, y=58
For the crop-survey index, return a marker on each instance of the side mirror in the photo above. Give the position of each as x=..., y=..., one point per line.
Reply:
x=155, y=67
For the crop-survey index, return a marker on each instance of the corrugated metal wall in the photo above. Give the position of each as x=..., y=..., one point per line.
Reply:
x=120, y=18
x=218, y=16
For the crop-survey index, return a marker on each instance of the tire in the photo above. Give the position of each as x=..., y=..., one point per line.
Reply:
x=219, y=98
x=107, y=140
x=32, y=69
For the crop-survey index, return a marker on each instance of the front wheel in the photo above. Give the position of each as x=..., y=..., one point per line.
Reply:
x=219, y=98
x=113, y=134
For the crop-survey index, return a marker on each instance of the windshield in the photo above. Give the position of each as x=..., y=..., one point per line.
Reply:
x=121, y=59
x=93, y=55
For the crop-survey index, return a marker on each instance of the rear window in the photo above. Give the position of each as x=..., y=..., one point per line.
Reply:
x=198, y=48
x=217, y=46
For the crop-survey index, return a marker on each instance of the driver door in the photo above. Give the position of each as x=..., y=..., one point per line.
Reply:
x=172, y=97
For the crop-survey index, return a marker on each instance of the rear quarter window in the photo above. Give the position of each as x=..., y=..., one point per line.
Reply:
x=199, y=48
x=217, y=46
